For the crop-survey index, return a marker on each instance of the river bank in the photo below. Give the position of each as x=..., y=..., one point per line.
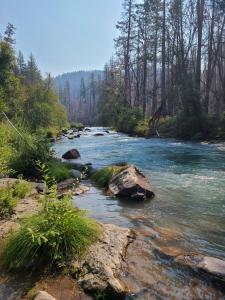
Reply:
x=168, y=258
x=96, y=272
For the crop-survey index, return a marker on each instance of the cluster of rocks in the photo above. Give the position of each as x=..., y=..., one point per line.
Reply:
x=74, y=133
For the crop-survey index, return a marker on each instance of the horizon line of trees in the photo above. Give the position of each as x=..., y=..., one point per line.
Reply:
x=169, y=61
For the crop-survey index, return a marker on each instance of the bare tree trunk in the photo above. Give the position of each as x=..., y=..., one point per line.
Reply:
x=200, y=17
x=163, y=74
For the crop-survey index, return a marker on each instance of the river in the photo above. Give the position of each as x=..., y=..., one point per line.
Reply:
x=189, y=183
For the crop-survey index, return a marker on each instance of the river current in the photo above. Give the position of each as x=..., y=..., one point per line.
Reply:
x=189, y=183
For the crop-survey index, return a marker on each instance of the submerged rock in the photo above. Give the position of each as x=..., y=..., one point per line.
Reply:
x=213, y=266
x=206, y=266
x=99, y=270
x=131, y=182
x=99, y=134
x=71, y=154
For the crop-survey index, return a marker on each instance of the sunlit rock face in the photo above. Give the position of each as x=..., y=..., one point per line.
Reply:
x=132, y=183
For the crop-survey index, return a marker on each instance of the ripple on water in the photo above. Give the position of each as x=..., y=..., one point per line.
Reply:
x=188, y=179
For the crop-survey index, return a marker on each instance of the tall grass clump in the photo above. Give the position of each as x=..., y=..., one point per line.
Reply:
x=10, y=195
x=103, y=176
x=20, y=151
x=57, y=234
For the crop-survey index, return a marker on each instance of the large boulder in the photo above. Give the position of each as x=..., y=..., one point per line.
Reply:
x=101, y=267
x=71, y=154
x=131, y=183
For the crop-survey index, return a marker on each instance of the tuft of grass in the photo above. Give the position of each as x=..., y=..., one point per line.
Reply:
x=102, y=177
x=7, y=203
x=54, y=236
x=10, y=195
x=21, y=189
x=59, y=171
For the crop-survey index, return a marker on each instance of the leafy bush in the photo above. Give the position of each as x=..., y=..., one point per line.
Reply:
x=141, y=128
x=103, y=176
x=128, y=119
x=167, y=127
x=54, y=236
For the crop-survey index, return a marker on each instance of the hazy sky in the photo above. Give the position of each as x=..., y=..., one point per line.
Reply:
x=63, y=35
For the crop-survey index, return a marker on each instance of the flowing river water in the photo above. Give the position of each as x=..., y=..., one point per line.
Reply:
x=187, y=213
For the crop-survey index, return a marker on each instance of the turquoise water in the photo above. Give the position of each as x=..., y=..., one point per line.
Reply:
x=188, y=211
x=188, y=180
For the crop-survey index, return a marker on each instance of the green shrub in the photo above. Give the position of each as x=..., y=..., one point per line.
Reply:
x=21, y=189
x=7, y=203
x=54, y=236
x=128, y=119
x=141, y=128
x=102, y=177
x=167, y=127
x=59, y=171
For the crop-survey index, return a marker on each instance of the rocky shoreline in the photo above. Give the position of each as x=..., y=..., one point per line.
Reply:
x=104, y=266
x=100, y=267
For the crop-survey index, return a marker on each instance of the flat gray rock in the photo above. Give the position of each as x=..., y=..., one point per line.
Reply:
x=213, y=266
x=102, y=265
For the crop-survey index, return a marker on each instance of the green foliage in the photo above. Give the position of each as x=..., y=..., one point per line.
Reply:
x=10, y=195
x=54, y=236
x=103, y=176
x=21, y=189
x=31, y=104
x=59, y=231
x=141, y=128
x=21, y=152
x=78, y=126
x=7, y=202
x=59, y=171
x=128, y=119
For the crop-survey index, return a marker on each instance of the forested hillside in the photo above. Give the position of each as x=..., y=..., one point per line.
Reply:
x=29, y=110
x=168, y=71
x=79, y=93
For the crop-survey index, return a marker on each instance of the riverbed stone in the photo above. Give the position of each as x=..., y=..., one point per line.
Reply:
x=42, y=295
x=81, y=189
x=100, y=268
x=71, y=154
x=66, y=184
x=213, y=266
x=75, y=173
x=99, y=134
x=131, y=183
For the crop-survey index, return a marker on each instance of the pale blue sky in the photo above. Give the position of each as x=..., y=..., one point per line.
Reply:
x=63, y=35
